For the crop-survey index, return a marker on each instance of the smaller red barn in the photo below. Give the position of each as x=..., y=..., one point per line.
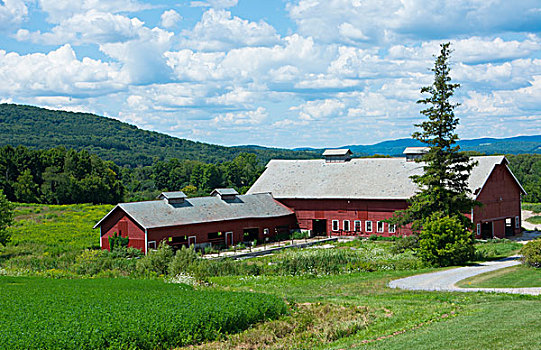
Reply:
x=225, y=218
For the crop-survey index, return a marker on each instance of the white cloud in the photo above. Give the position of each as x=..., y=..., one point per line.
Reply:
x=218, y=30
x=218, y=4
x=242, y=118
x=170, y=19
x=57, y=73
x=12, y=13
x=60, y=10
x=90, y=27
x=329, y=108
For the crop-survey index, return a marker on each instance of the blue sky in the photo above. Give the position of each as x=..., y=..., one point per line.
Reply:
x=284, y=73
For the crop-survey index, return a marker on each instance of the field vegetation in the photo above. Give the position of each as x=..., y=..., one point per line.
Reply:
x=335, y=297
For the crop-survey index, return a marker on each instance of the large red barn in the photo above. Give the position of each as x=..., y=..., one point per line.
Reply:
x=340, y=195
x=225, y=218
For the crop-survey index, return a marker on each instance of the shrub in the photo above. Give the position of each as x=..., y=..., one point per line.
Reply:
x=405, y=243
x=116, y=241
x=531, y=253
x=156, y=261
x=183, y=258
x=444, y=241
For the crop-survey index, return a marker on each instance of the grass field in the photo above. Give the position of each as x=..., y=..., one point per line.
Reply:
x=336, y=298
x=39, y=313
x=511, y=277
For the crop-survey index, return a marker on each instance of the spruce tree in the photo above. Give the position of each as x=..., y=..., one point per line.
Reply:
x=443, y=186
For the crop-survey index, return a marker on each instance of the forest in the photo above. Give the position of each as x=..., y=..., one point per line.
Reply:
x=110, y=139
x=66, y=176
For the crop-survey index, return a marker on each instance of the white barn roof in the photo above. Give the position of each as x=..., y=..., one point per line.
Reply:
x=360, y=178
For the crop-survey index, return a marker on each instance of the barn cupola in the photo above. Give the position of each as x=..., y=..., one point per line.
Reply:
x=337, y=155
x=225, y=194
x=177, y=197
x=413, y=153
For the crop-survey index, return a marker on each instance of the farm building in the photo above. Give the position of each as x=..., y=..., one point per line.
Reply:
x=339, y=195
x=225, y=218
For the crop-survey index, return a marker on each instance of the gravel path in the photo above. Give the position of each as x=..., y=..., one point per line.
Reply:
x=446, y=280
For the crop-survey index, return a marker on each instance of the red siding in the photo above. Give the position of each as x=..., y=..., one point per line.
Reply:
x=121, y=223
x=501, y=199
x=307, y=210
x=201, y=231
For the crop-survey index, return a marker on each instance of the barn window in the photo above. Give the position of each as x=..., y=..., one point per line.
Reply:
x=357, y=225
x=517, y=222
x=266, y=231
x=368, y=226
x=214, y=235
x=151, y=244
x=346, y=225
x=478, y=229
x=335, y=225
x=381, y=226
x=392, y=228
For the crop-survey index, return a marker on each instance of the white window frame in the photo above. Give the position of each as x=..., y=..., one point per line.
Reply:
x=382, y=227
x=335, y=226
x=266, y=231
x=368, y=226
x=479, y=229
x=344, y=225
x=392, y=228
x=151, y=243
x=517, y=221
x=357, y=226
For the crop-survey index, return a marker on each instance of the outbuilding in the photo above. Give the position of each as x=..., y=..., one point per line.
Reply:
x=340, y=195
x=225, y=218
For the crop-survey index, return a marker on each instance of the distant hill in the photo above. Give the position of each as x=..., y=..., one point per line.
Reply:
x=125, y=144
x=512, y=145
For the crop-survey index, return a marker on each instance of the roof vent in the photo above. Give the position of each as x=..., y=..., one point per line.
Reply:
x=337, y=155
x=173, y=197
x=225, y=193
x=413, y=153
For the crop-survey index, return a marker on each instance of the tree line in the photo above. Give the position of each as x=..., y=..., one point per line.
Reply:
x=66, y=176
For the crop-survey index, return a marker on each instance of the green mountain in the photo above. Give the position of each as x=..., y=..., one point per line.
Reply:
x=125, y=144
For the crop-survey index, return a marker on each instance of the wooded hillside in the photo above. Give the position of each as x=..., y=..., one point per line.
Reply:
x=125, y=144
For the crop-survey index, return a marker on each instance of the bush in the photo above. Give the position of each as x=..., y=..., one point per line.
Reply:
x=156, y=261
x=183, y=258
x=444, y=241
x=405, y=243
x=531, y=253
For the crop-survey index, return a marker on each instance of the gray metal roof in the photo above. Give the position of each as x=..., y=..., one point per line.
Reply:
x=416, y=150
x=224, y=192
x=336, y=152
x=360, y=178
x=153, y=214
x=172, y=195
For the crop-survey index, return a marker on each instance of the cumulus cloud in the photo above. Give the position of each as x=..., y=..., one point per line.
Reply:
x=240, y=118
x=218, y=30
x=170, y=19
x=218, y=4
x=89, y=27
x=12, y=12
x=60, y=10
x=57, y=73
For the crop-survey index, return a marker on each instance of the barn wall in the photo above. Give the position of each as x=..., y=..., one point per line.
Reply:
x=121, y=223
x=201, y=231
x=307, y=210
x=501, y=199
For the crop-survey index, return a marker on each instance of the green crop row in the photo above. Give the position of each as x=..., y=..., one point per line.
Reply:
x=39, y=313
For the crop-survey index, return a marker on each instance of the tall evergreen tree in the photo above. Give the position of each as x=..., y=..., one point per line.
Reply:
x=444, y=183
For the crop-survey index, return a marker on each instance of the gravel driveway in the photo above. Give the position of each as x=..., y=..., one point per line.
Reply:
x=446, y=280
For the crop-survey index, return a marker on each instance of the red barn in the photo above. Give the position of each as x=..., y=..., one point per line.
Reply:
x=340, y=195
x=225, y=218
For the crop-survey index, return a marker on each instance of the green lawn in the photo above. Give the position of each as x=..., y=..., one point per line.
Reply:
x=536, y=220
x=511, y=277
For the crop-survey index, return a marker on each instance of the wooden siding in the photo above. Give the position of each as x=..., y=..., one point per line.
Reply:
x=501, y=199
x=121, y=223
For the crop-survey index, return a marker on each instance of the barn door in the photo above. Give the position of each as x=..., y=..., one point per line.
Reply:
x=191, y=241
x=228, y=239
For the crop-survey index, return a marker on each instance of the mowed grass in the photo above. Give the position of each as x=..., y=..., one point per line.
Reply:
x=536, y=220
x=511, y=277
x=40, y=313
x=390, y=318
